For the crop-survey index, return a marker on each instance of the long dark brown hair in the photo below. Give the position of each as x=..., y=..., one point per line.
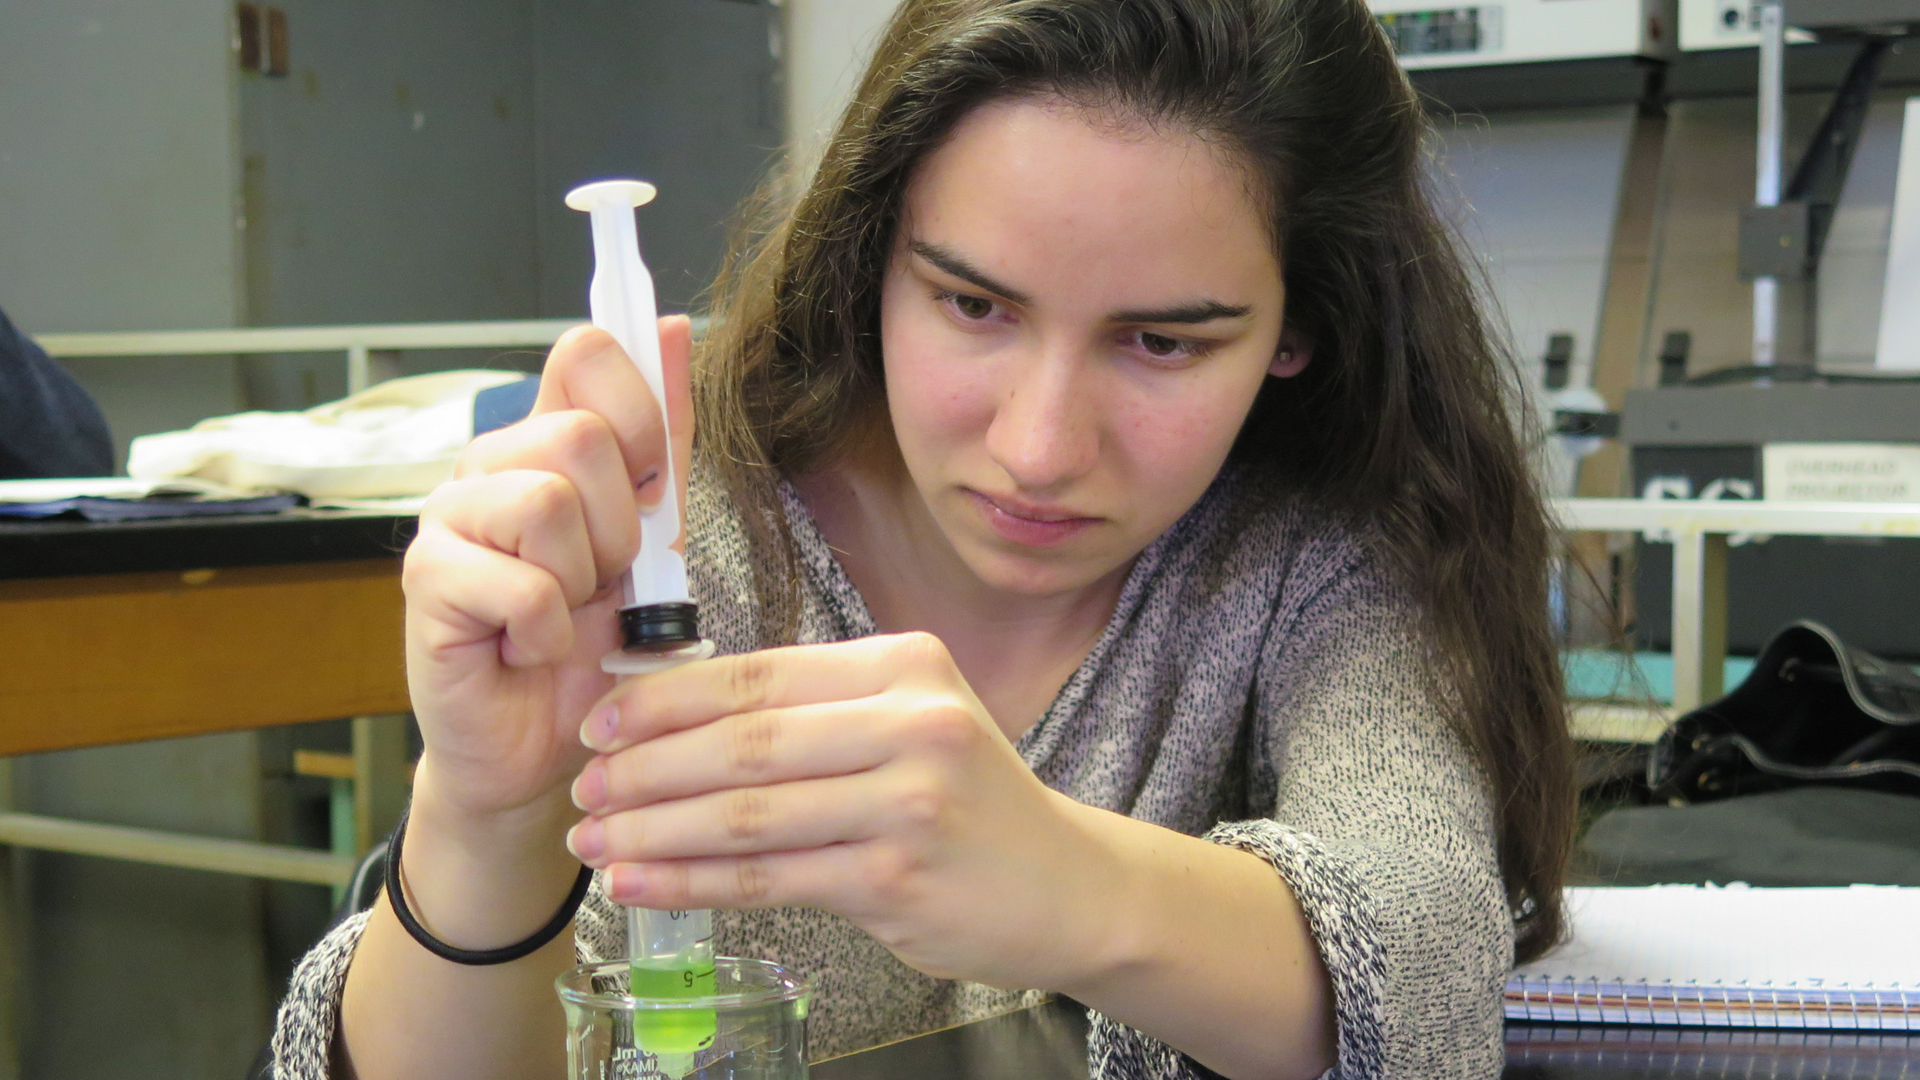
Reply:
x=1401, y=419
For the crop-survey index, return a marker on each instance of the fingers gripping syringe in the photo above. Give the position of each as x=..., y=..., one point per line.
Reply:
x=671, y=951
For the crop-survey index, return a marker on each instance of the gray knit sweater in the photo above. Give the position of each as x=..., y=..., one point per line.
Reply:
x=1258, y=684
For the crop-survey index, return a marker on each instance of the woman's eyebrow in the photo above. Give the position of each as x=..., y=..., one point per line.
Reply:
x=1197, y=312
x=950, y=263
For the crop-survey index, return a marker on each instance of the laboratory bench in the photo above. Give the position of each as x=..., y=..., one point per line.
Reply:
x=120, y=631
x=115, y=632
x=62, y=547
x=1048, y=1042
x=124, y=631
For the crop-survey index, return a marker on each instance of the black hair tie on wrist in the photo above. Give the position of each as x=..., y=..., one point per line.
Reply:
x=397, y=893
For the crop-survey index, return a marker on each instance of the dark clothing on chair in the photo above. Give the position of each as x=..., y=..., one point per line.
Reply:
x=49, y=426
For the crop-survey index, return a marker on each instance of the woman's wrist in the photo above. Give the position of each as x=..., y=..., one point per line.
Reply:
x=1136, y=912
x=490, y=830
x=1167, y=920
x=483, y=879
x=1108, y=924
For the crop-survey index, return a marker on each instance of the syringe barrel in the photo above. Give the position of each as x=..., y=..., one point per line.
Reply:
x=661, y=934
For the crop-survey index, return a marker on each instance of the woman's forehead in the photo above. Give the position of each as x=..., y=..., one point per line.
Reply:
x=1044, y=194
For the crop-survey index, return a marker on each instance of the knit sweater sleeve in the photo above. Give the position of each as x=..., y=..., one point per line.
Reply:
x=1378, y=820
x=303, y=1030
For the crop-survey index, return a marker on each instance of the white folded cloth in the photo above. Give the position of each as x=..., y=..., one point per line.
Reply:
x=398, y=438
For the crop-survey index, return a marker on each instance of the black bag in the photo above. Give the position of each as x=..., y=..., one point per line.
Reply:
x=1813, y=711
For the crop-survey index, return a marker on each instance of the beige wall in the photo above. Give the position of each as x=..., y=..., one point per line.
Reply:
x=118, y=196
x=828, y=43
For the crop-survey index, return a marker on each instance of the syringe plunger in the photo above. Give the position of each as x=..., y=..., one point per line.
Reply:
x=658, y=614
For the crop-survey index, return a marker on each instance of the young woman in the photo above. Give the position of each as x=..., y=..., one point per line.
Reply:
x=1112, y=427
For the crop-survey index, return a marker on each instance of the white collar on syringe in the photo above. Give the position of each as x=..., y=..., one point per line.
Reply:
x=654, y=637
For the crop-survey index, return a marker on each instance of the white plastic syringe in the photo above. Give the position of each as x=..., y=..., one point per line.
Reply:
x=659, y=624
x=671, y=951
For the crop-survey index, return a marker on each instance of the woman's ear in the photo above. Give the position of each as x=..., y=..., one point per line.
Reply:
x=1291, y=357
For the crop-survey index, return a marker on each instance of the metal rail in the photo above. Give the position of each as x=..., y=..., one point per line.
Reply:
x=277, y=861
x=359, y=343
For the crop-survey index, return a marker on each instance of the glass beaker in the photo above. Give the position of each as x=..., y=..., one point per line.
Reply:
x=756, y=1017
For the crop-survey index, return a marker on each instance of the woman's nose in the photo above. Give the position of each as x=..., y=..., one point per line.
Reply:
x=1046, y=432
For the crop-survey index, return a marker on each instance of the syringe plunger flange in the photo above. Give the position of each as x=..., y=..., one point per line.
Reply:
x=659, y=627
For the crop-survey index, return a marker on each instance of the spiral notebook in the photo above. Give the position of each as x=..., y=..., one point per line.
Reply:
x=1736, y=957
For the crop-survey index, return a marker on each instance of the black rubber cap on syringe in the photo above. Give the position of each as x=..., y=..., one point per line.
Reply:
x=659, y=627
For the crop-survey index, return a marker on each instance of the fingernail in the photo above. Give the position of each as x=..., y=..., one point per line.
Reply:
x=588, y=840
x=626, y=884
x=597, y=733
x=590, y=787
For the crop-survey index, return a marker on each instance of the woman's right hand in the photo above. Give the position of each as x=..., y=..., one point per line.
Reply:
x=511, y=582
x=510, y=606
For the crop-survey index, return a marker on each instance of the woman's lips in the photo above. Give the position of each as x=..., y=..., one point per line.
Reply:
x=1028, y=525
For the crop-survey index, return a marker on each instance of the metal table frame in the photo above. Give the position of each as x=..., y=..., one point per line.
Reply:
x=1700, y=530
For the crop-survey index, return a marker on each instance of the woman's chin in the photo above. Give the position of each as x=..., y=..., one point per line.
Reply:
x=1033, y=576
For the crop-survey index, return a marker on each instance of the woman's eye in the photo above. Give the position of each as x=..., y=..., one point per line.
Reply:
x=1162, y=347
x=969, y=307
x=1159, y=344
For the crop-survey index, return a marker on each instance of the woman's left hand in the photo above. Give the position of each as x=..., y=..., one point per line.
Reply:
x=862, y=777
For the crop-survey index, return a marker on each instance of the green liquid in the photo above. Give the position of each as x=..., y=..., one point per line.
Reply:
x=673, y=1031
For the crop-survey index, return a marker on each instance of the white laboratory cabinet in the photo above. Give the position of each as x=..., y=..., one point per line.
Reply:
x=1428, y=35
x=1724, y=24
